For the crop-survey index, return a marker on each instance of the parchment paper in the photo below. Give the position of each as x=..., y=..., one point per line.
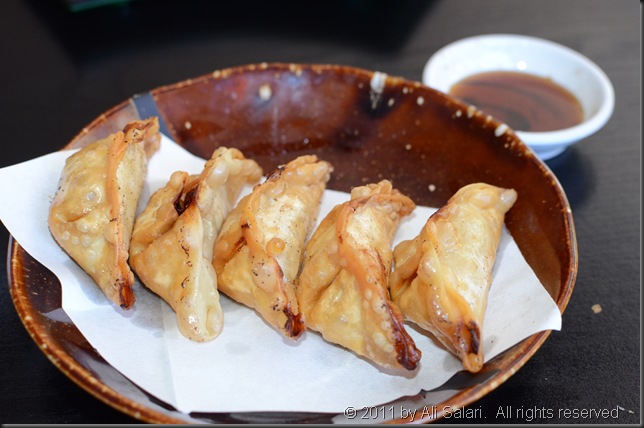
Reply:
x=250, y=366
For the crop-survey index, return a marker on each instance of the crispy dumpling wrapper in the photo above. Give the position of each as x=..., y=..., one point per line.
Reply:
x=342, y=289
x=92, y=214
x=441, y=279
x=173, y=239
x=259, y=250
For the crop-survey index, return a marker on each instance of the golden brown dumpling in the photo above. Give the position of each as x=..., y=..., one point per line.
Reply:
x=92, y=214
x=258, y=253
x=173, y=239
x=441, y=279
x=342, y=289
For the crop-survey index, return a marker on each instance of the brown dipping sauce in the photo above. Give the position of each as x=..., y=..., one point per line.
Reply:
x=522, y=101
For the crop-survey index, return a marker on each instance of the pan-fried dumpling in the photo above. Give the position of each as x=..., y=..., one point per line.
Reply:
x=342, y=289
x=92, y=213
x=259, y=250
x=441, y=279
x=173, y=239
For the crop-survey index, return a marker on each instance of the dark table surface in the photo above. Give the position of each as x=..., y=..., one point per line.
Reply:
x=61, y=69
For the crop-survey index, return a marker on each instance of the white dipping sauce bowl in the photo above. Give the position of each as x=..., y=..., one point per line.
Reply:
x=539, y=57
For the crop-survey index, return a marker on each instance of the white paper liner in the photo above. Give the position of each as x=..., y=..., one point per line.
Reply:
x=250, y=366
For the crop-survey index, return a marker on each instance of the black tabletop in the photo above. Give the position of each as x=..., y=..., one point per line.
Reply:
x=61, y=69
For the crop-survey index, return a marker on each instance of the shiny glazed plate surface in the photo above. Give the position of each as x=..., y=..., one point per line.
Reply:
x=358, y=120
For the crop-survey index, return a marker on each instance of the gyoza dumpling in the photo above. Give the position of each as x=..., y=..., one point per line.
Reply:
x=92, y=213
x=342, y=289
x=259, y=251
x=441, y=279
x=173, y=239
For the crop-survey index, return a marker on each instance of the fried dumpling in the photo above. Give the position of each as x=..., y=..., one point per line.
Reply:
x=173, y=239
x=259, y=250
x=342, y=288
x=441, y=279
x=92, y=214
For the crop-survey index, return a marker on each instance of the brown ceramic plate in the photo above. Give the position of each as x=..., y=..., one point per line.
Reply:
x=402, y=131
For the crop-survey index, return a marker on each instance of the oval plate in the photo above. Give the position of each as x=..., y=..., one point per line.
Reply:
x=358, y=120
